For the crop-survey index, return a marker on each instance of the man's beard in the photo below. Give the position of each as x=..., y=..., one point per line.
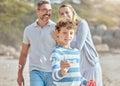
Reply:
x=45, y=17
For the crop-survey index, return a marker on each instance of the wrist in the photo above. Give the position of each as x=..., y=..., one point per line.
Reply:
x=20, y=67
x=63, y=71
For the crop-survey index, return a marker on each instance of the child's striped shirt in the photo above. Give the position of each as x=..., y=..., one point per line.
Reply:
x=73, y=76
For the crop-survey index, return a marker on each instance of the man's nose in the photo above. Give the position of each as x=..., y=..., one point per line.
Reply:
x=64, y=15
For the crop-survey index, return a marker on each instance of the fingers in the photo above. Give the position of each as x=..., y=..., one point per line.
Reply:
x=54, y=35
x=64, y=64
x=20, y=81
x=23, y=83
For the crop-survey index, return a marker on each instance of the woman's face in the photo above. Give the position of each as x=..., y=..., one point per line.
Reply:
x=65, y=12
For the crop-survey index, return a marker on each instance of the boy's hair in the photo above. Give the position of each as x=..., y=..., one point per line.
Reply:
x=68, y=23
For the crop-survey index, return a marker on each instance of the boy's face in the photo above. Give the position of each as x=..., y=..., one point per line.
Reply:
x=65, y=36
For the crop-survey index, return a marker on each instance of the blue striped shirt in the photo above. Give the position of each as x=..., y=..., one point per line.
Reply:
x=73, y=76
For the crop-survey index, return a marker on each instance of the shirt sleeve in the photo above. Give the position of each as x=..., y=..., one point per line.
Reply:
x=81, y=35
x=56, y=74
x=26, y=37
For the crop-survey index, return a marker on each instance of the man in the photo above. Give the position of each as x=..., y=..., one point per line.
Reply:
x=38, y=42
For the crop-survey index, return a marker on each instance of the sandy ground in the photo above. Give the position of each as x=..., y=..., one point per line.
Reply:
x=109, y=62
x=111, y=69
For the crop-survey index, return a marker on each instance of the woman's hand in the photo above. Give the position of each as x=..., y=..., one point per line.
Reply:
x=54, y=35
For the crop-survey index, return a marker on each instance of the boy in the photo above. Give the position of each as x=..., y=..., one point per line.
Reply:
x=65, y=60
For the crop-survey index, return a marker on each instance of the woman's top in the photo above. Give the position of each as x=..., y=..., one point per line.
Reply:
x=83, y=42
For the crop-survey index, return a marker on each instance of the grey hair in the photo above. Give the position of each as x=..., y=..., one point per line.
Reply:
x=42, y=2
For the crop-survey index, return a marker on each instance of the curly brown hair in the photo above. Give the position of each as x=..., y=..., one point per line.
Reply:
x=65, y=22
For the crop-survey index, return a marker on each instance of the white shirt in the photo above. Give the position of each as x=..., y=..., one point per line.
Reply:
x=41, y=45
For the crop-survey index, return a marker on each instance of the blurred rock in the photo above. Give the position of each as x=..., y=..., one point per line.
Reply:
x=97, y=40
x=9, y=51
x=117, y=34
x=102, y=48
x=100, y=30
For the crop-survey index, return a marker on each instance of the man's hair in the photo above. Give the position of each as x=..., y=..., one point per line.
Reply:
x=42, y=2
x=68, y=23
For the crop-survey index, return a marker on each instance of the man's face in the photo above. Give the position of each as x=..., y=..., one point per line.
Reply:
x=44, y=12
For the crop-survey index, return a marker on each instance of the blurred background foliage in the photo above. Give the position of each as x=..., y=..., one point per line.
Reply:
x=15, y=15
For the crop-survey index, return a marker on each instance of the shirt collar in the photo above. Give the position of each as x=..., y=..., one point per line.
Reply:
x=48, y=24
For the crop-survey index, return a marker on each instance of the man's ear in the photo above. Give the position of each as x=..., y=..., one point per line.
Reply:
x=36, y=10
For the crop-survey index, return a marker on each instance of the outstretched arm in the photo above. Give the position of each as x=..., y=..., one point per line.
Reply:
x=59, y=68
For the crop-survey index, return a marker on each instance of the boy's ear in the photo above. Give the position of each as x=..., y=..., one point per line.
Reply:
x=56, y=33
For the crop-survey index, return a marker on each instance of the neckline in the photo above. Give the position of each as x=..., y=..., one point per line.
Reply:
x=64, y=47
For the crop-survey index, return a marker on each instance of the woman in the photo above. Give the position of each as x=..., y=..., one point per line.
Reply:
x=89, y=63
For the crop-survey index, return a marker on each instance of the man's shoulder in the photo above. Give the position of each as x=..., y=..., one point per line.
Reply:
x=52, y=22
x=31, y=25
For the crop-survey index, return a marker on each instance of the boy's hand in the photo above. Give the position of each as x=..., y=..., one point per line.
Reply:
x=64, y=66
x=91, y=83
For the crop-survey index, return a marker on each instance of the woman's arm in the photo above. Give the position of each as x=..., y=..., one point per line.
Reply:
x=81, y=35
